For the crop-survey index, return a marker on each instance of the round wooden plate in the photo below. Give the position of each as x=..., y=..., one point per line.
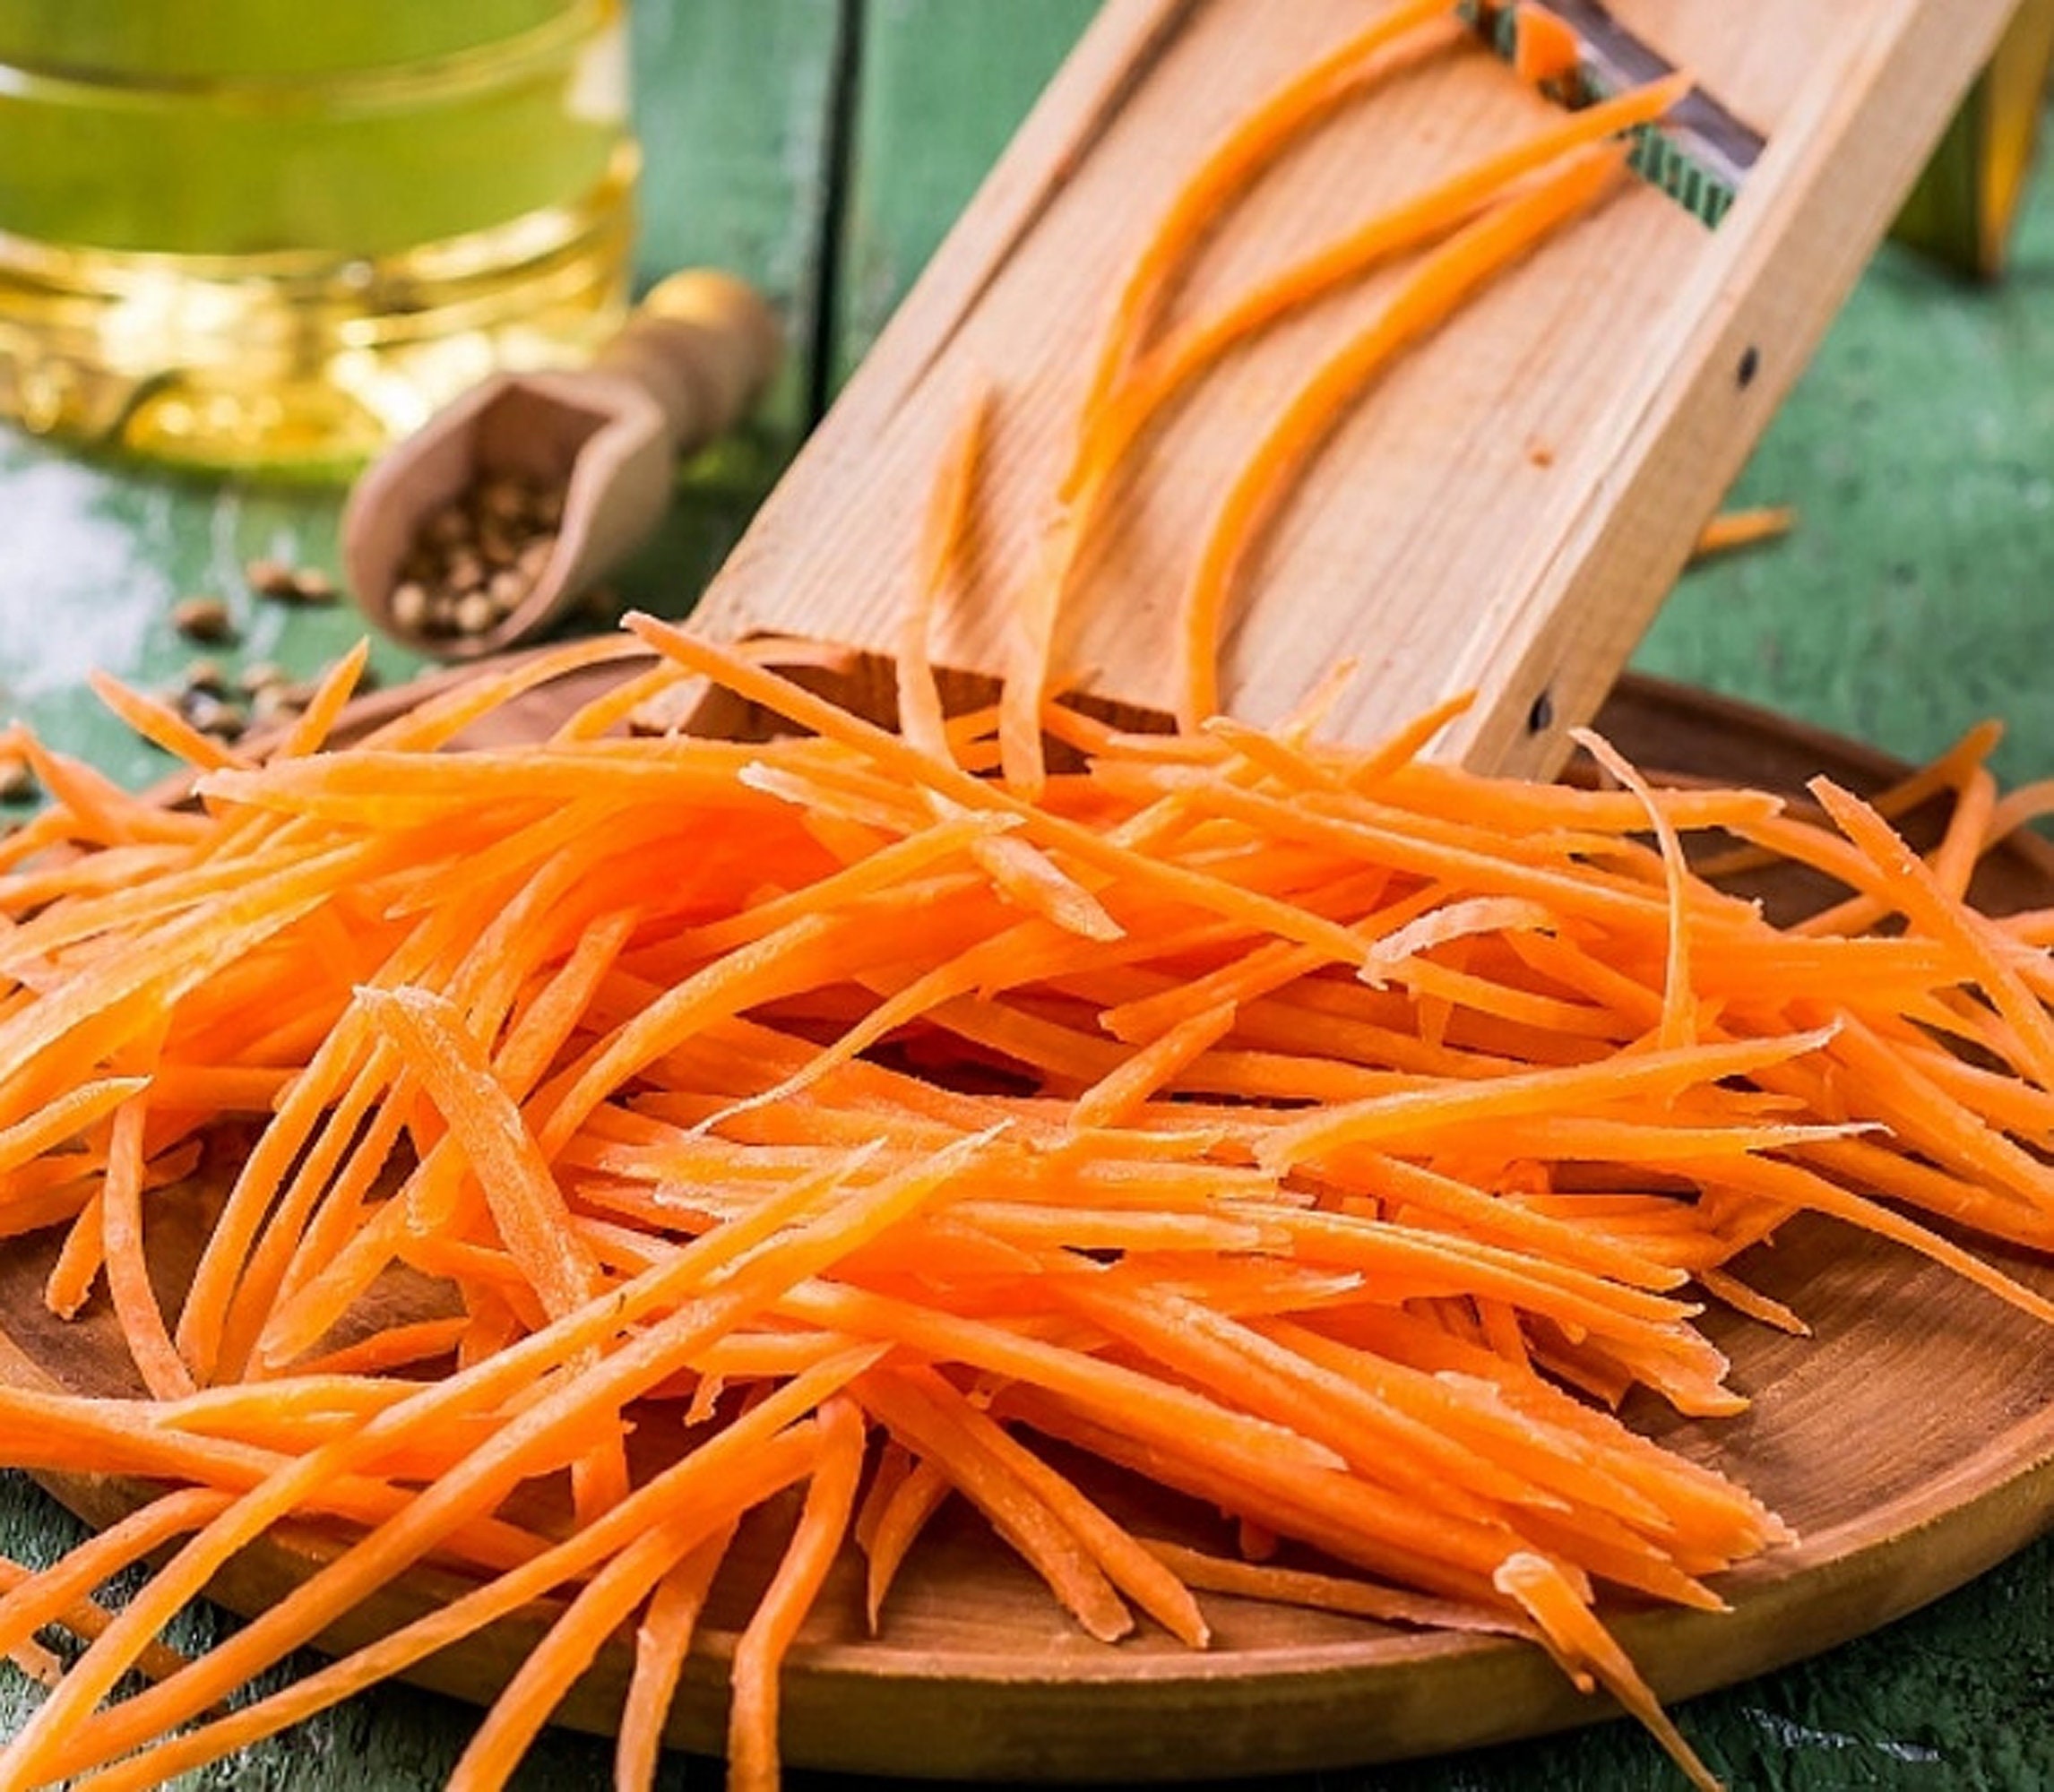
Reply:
x=1910, y=1441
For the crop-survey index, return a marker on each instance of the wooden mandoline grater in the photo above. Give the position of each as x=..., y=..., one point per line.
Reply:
x=1509, y=503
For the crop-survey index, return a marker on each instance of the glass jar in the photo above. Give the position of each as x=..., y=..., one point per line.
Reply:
x=261, y=234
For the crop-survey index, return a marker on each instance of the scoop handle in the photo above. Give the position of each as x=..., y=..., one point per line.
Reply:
x=703, y=345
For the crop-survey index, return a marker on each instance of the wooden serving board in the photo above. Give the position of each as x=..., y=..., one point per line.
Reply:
x=1910, y=1441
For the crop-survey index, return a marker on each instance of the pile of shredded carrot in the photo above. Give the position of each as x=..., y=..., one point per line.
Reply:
x=868, y=1120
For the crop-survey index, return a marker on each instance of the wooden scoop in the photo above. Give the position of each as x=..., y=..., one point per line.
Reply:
x=1512, y=499
x=599, y=445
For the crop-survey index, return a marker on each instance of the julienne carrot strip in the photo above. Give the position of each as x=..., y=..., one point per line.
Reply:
x=1732, y=530
x=1545, y=52
x=1540, y=1586
x=1679, y=1015
x=903, y=1509
x=941, y=550
x=1210, y=1574
x=143, y=1326
x=37, y=1133
x=662, y=1640
x=158, y=722
x=525, y=1199
x=829, y=1501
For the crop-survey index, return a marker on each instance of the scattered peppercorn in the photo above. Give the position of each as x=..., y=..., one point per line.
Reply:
x=284, y=585
x=17, y=780
x=270, y=578
x=204, y=618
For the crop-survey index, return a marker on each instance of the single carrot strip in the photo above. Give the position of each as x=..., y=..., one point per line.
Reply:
x=80, y=1258
x=768, y=1636
x=1453, y=921
x=1540, y=1587
x=395, y=1346
x=902, y=1513
x=1112, y=1099
x=942, y=545
x=308, y=731
x=662, y=1640
x=526, y=1202
x=143, y=1326
x=162, y=726
x=1724, y=1286
x=1544, y=50
x=1679, y=1004
x=69, y=1115
x=1732, y=530
x=1656, y=1075
x=1264, y=1580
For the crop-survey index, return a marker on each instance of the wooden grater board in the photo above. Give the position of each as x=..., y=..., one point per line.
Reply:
x=1508, y=504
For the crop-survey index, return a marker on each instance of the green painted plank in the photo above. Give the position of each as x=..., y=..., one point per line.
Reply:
x=944, y=86
x=733, y=107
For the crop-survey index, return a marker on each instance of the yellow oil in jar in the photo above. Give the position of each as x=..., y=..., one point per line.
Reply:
x=260, y=233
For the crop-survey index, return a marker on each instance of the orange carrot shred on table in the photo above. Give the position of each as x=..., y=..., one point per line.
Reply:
x=1736, y=529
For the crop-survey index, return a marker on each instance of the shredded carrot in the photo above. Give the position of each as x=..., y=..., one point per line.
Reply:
x=830, y=1502
x=1423, y=302
x=1544, y=49
x=863, y=1120
x=1732, y=530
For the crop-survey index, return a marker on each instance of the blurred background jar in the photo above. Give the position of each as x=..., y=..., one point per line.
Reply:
x=264, y=234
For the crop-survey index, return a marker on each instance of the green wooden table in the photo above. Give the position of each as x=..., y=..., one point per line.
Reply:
x=822, y=149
